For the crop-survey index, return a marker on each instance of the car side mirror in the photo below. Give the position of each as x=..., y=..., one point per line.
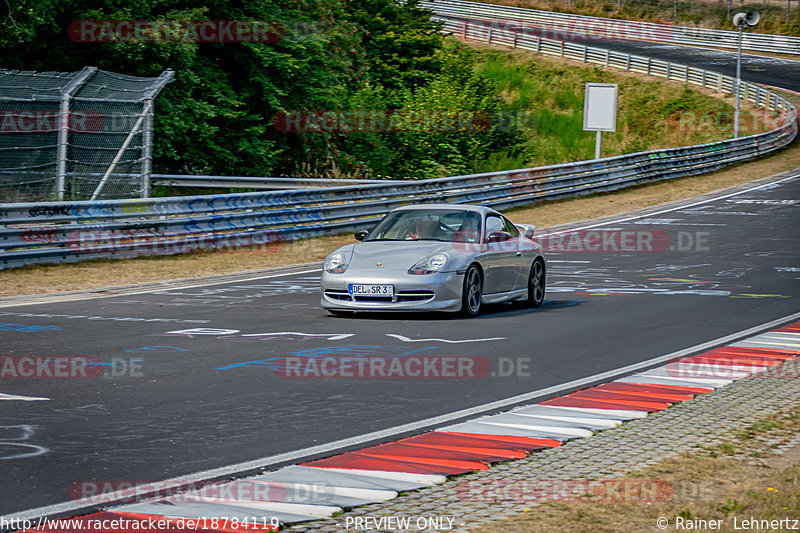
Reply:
x=498, y=236
x=361, y=235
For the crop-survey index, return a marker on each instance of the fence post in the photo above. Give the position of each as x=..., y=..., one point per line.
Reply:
x=63, y=128
x=147, y=145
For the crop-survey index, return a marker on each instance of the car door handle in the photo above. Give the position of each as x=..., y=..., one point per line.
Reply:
x=519, y=254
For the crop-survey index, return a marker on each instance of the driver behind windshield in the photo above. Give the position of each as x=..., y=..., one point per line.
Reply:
x=425, y=227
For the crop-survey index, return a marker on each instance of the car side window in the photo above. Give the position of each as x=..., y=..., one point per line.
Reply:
x=494, y=223
x=510, y=228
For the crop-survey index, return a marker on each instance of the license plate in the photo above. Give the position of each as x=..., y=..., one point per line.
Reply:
x=371, y=290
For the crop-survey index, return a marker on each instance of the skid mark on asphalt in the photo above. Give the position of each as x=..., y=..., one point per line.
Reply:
x=13, y=445
x=406, y=339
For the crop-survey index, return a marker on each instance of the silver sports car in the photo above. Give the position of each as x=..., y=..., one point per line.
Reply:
x=436, y=257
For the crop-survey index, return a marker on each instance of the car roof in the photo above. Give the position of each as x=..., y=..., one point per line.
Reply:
x=463, y=207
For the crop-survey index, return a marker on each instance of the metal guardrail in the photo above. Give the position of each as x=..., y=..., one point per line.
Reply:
x=60, y=232
x=249, y=182
x=560, y=26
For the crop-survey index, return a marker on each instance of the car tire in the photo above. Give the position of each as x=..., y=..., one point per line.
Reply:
x=472, y=292
x=536, y=284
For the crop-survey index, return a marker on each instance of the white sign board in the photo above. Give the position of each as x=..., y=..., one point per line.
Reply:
x=600, y=107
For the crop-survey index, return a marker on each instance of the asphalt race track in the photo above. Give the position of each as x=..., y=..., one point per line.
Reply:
x=778, y=72
x=186, y=379
x=775, y=71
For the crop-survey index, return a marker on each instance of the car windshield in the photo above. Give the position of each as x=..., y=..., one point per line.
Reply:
x=428, y=225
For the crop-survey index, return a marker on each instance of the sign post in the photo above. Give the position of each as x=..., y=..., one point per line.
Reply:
x=600, y=110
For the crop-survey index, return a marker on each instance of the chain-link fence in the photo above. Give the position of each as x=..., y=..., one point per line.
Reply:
x=76, y=136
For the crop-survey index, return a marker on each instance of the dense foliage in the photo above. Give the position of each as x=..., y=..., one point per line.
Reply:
x=219, y=115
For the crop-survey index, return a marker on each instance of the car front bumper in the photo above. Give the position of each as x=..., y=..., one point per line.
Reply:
x=412, y=292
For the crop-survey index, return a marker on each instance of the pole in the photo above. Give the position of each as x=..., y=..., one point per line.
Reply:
x=147, y=109
x=675, y=11
x=147, y=147
x=597, y=143
x=738, y=86
x=63, y=128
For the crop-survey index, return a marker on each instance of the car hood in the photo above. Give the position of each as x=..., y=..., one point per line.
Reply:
x=395, y=254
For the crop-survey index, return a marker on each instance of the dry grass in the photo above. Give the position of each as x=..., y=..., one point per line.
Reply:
x=652, y=112
x=741, y=478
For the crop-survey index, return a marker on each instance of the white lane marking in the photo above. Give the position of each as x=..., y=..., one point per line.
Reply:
x=423, y=479
x=548, y=410
x=598, y=422
x=780, y=335
x=555, y=430
x=781, y=344
x=315, y=489
x=669, y=210
x=48, y=299
x=676, y=382
x=328, y=336
x=406, y=339
x=4, y=396
x=623, y=414
x=716, y=383
x=383, y=434
x=319, y=511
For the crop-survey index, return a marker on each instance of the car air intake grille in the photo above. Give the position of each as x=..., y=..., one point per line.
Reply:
x=400, y=297
x=415, y=296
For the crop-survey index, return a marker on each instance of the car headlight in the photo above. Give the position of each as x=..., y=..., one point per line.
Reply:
x=335, y=263
x=434, y=263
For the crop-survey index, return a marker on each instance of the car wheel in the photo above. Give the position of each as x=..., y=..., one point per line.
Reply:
x=536, y=284
x=471, y=294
